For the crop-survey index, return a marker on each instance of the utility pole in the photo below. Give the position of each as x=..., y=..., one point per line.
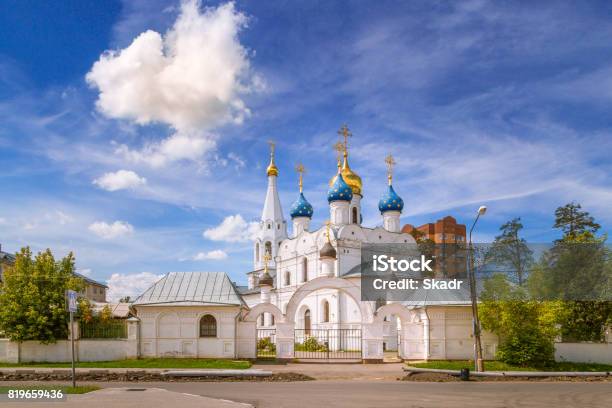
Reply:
x=478, y=361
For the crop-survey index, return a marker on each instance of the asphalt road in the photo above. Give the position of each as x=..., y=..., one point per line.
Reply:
x=382, y=394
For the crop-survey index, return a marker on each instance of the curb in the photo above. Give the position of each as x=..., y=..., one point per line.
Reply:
x=512, y=373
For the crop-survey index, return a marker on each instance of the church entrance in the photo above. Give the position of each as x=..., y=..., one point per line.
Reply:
x=328, y=344
x=266, y=344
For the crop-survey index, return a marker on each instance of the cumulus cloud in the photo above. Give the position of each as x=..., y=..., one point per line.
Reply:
x=214, y=255
x=179, y=146
x=191, y=78
x=119, y=180
x=132, y=285
x=110, y=231
x=232, y=229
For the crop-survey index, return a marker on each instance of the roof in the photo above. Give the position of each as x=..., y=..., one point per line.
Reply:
x=5, y=256
x=89, y=280
x=191, y=289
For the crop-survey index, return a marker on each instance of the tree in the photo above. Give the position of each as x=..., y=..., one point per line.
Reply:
x=577, y=270
x=511, y=252
x=85, y=312
x=575, y=223
x=526, y=328
x=33, y=297
x=106, y=314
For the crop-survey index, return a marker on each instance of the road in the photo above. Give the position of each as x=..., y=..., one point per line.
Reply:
x=383, y=394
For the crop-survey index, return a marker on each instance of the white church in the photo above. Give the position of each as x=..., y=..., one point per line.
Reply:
x=302, y=301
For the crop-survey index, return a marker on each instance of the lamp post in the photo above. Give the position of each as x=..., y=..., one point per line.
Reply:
x=478, y=363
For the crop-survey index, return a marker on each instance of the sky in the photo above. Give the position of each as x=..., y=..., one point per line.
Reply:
x=134, y=133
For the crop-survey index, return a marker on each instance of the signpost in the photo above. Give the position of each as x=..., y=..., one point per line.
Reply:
x=72, y=308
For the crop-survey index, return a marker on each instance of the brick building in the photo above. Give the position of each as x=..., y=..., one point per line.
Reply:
x=449, y=239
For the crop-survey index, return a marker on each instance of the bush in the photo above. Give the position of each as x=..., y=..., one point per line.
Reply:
x=311, y=344
x=265, y=344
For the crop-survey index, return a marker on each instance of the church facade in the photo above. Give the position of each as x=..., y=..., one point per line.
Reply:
x=303, y=295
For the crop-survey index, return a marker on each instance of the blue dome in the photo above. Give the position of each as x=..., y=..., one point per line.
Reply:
x=301, y=208
x=390, y=201
x=339, y=191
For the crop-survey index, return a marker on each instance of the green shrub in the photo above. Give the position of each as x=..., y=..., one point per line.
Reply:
x=311, y=344
x=265, y=344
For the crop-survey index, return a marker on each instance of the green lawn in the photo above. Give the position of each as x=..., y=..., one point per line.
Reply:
x=146, y=363
x=81, y=389
x=500, y=366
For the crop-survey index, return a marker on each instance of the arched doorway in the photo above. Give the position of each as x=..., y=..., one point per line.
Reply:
x=307, y=323
x=329, y=317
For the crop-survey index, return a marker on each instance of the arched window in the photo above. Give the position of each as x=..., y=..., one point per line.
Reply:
x=257, y=252
x=325, y=316
x=269, y=248
x=355, y=219
x=287, y=278
x=208, y=326
x=304, y=269
x=271, y=319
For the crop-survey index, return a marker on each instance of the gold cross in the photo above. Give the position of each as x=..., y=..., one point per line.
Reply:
x=344, y=132
x=339, y=147
x=301, y=170
x=390, y=163
x=272, y=145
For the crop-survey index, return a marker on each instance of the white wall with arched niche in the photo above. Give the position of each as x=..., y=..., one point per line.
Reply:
x=174, y=331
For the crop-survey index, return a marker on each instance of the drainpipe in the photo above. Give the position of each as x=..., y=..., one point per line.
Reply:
x=426, y=333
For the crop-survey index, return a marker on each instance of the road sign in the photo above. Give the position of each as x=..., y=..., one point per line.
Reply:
x=72, y=301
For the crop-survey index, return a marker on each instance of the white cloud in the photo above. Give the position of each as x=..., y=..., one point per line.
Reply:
x=232, y=229
x=119, y=180
x=215, y=255
x=192, y=78
x=132, y=285
x=109, y=231
x=183, y=145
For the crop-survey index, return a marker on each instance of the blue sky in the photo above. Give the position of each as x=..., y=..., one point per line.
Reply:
x=128, y=130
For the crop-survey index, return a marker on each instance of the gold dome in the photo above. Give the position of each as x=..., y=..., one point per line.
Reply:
x=272, y=170
x=350, y=177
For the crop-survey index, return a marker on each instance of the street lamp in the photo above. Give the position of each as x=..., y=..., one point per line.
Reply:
x=478, y=363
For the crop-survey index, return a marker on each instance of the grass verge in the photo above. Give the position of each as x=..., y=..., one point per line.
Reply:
x=501, y=366
x=147, y=363
x=81, y=389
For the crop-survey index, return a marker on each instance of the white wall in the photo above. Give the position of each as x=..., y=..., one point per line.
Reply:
x=584, y=352
x=173, y=331
x=85, y=350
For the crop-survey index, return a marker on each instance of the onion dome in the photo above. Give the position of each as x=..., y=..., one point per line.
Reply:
x=272, y=170
x=327, y=251
x=301, y=208
x=390, y=201
x=266, y=279
x=339, y=191
x=350, y=177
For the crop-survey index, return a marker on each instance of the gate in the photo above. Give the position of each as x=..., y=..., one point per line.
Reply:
x=327, y=344
x=266, y=343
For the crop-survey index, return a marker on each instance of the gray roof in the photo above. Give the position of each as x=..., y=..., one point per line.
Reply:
x=191, y=289
x=8, y=257
x=89, y=280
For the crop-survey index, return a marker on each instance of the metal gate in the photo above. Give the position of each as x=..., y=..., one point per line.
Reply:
x=266, y=343
x=327, y=344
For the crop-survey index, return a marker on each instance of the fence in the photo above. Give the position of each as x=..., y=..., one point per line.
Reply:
x=113, y=329
x=328, y=344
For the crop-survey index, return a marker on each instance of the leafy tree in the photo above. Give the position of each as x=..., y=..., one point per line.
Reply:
x=510, y=251
x=106, y=314
x=526, y=328
x=578, y=270
x=126, y=299
x=575, y=223
x=33, y=299
x=85, y=312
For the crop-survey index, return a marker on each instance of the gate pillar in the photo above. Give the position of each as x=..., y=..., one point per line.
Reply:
x=246, y=340
x=372, y=342
x=284, y=341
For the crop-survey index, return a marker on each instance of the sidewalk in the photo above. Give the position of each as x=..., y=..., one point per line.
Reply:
x=342, y=371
